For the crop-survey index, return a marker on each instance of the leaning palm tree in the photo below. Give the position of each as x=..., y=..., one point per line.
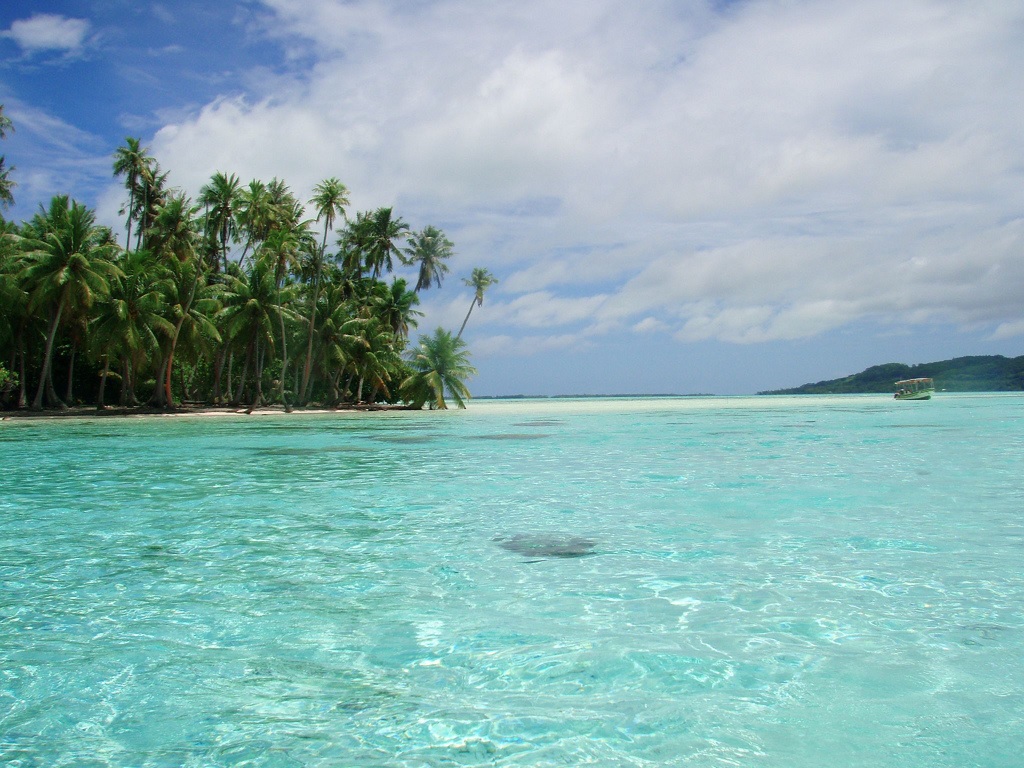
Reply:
x=440, y=365
x=429, y=248
x=479, y=281
x=69, y=263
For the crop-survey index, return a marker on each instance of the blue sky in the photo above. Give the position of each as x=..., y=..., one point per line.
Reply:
x=675, y=196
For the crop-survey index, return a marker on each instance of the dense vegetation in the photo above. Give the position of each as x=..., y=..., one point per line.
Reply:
x=993, y=373
x=235, y=298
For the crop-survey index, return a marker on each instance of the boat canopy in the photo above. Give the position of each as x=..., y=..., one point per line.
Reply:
x=914, y=383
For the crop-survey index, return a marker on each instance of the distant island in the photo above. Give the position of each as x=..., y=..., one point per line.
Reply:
x=988, y=373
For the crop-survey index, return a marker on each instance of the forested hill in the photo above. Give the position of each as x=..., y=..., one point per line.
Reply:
x=991, y=373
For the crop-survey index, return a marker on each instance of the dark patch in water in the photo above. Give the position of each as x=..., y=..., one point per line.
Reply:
x=547, y=545
x=410, y=439
x=513, y=436
x=154, y=550
x=280, y=427
x=308, y=451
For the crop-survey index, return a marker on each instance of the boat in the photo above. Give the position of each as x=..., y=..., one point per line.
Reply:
x=915, y=389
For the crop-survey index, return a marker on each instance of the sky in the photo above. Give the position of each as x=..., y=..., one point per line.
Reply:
x=676, y=196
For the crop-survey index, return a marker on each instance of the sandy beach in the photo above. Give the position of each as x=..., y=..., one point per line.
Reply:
x=91, y=412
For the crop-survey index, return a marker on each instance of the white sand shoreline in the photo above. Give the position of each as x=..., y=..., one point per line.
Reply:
x=144, y=412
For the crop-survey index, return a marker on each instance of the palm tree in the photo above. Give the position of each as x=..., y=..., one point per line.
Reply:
x=6, y=126
x=283, y=248
x=255, y=214
x=479, y=281
x=251, y=312
x=221, y=197
x=429, y=248
x=381, y=236
x=440, y=364
x=6, y=183
x=174, y=238
x=373, y=356
x=14, y=313
x=69, y=263
x=340, y=334
x=128, y=324
x=150, y=199
x=395, y=305
x=329, y=199
x=134, y=163
x=285, y=209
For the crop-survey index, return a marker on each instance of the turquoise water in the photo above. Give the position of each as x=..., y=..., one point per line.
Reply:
x=776, y=582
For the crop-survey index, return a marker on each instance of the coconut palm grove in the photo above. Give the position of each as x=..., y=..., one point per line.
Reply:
x=242, y=295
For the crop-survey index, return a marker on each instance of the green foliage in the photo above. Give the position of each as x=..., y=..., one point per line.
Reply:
x=479, y=281
x=8, y=380
x=177, y=312
x=7, y=184
x=440, y=365
x=992, y=373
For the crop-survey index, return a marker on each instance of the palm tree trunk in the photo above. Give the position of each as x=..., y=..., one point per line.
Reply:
x=174, y=339
x=243, y=376
x=131, y=208
x=125, y=381
x=312, y=330
x=284, y=355
x=257, y=398
x=103, y=383
x=22, y=387
x=51, y=392
x=471, y=305
x=218, y=371
x=158, y=398
x=335, y=395
x=69, y=396
x=44, y=376
x=166, y=373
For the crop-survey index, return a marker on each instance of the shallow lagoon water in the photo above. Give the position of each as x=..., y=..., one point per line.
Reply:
x=772, y=582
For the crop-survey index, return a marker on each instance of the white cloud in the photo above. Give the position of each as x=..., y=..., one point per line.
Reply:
x=48, y=32
x=527, y=345
x=773, y=172
x=1009, y=330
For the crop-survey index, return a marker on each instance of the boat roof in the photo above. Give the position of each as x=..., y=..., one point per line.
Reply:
x=914, y=381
